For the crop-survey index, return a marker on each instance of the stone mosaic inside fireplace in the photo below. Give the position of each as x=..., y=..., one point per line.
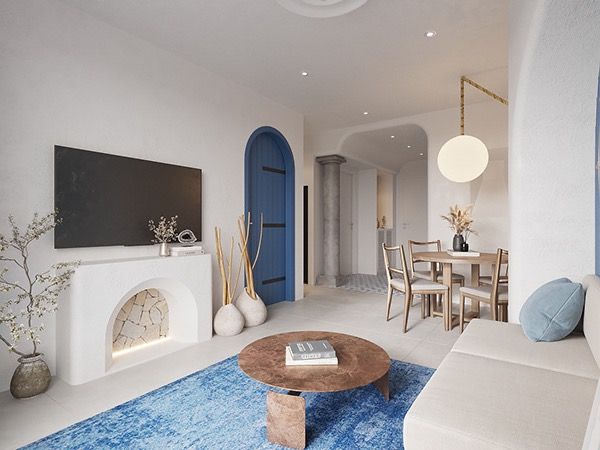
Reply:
x=143, y=318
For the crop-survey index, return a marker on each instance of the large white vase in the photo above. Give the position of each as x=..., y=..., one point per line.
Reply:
x=228, y=321
x=253, y=310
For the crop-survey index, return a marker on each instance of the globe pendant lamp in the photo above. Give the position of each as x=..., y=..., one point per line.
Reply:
x=463, y=158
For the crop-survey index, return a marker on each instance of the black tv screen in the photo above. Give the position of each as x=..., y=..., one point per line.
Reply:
x=107, y=199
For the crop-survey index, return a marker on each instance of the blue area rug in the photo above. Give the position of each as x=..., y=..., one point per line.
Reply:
x=221, y=408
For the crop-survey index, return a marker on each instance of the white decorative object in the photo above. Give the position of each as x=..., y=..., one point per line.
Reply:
x=99, y=289
x=253, y=310
x=186, y=237
x=463, y=158
x=229, y=321
x=182, y=250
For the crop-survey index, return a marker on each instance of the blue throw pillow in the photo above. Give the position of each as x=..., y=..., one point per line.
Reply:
x=553, y=311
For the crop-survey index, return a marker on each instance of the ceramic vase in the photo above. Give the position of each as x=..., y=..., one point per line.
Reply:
x=164, y=249
x=253, y=310
x=457, y=242
x=228, y=321
x=32, y=377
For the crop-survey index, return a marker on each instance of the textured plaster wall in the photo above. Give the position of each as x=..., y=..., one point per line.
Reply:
x=553, y=75
x=69, y=79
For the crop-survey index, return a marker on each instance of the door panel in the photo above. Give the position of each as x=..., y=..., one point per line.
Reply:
x=267, y=197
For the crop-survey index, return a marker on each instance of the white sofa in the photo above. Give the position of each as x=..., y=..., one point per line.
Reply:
x=497, y=389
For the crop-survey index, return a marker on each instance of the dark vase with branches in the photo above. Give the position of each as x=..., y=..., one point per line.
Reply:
x=26, y=297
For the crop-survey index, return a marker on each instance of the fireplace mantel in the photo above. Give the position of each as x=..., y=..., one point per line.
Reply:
x=98, y=291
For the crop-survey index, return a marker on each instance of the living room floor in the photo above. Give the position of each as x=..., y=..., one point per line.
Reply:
x=339, y=310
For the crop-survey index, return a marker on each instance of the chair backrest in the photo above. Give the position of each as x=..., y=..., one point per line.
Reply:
x=403, y=270
x=501, y=259
x=413, y=244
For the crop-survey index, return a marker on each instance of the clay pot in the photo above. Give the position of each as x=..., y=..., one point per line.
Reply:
x=32, y=377
x=228, y=321
x=253, y=310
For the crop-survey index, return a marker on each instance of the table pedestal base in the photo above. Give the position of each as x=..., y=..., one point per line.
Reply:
x=286, y=415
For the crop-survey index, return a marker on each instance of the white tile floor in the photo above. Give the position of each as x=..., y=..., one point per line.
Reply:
x=360, y=314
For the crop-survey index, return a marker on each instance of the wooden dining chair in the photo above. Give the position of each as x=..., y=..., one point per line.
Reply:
x=410, y=287
x=495, y=295
x=457, y=278
x=487, y=279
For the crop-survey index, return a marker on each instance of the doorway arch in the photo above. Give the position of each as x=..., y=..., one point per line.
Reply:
x=269, y=190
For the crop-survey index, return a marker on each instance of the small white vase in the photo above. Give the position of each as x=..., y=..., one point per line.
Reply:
x=253, y=310
x=164, y=249
x=228, y=321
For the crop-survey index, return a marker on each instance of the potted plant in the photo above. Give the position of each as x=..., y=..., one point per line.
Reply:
x=26, y=299
x=460, y=221
x=164, y=232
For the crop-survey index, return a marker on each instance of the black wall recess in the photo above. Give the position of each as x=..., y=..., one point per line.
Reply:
x=107, y=199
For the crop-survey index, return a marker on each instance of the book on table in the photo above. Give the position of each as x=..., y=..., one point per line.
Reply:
x=311, y=350
x=290, y=361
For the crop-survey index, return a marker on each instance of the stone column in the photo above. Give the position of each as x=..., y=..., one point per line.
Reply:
x=330, y=181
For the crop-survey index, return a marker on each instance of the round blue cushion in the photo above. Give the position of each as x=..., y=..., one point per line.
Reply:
x=553, y=311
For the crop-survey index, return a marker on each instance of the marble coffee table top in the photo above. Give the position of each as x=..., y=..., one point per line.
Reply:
x=360, y=362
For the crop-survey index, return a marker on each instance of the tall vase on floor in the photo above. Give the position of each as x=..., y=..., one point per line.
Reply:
x=228, y=320
x=253, y=309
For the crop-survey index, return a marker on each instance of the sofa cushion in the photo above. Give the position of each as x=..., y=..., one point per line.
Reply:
x=591, y=318
x=507, y=342
x=552, y=311
x=472, y=402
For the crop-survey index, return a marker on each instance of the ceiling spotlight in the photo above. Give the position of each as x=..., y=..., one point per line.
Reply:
x=431, y=33
x=408, y=146
x=304, y=74
x=365, y=113
x=421, y=154
x=392, y=137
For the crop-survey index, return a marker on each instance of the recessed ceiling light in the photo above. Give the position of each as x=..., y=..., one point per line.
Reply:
x=421, y=154
x=393, y=137
x=304, y=74
x=431, y=33
x=365, y=113
x=408, y=146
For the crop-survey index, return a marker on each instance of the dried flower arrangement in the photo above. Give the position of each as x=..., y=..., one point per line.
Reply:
x=39, y=292
x=165, y=231
x=460, y=219
x=229, y=286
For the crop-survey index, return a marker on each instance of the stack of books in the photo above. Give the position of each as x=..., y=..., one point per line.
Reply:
x=310, y=353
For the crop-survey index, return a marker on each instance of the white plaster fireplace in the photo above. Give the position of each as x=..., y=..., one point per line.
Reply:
x=99, y=291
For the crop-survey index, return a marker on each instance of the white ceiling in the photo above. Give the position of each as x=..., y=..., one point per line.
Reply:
x=373, y=59
x=377, y=148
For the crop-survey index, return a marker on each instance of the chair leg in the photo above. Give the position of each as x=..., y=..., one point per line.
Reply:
x=445, y=311
x=407, y=302
x=423, y=297
x=461, y=312
x=494, y=311
x=389, y=303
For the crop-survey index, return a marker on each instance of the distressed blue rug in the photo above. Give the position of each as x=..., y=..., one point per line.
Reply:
x=221, y=408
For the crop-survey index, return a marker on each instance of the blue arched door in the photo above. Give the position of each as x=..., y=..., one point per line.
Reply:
x=269, y=184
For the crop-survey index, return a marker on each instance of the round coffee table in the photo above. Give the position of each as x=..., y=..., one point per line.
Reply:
x=360, y=362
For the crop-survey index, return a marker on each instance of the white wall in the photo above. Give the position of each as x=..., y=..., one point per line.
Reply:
x=366, y=221
x=69, y=79
x=554, y=54
x=411, y=202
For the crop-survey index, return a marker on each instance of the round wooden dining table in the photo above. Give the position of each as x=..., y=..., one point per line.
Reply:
x=446, y=261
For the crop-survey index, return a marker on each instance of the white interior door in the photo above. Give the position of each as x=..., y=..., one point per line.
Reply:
x=346, y=225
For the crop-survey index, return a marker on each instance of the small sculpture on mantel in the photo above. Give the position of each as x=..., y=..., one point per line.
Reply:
x=186, y=237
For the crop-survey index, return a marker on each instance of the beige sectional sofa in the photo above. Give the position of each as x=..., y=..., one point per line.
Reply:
x=497, y=389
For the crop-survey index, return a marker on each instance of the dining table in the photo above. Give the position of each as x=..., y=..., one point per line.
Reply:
x=447, y=261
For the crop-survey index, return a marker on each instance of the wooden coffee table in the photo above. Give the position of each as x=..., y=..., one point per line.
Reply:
x=360, y=362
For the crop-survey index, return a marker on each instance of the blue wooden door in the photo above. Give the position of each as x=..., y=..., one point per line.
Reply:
x=267, y=187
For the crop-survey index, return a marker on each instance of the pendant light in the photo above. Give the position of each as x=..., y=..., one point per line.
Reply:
x=463, y=158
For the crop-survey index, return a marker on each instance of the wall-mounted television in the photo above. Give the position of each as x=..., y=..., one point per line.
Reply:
x=107, y=199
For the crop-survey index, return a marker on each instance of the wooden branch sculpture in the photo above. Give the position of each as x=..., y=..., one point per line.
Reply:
x=244, y=227
x=225, y=269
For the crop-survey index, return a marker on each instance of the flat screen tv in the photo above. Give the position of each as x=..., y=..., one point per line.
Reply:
x=107, y=199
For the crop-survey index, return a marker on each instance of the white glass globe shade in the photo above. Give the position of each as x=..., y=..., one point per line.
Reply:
x=463, y=158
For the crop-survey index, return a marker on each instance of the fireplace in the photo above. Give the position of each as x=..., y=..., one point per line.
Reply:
x=142, y=319
x=120, y=313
